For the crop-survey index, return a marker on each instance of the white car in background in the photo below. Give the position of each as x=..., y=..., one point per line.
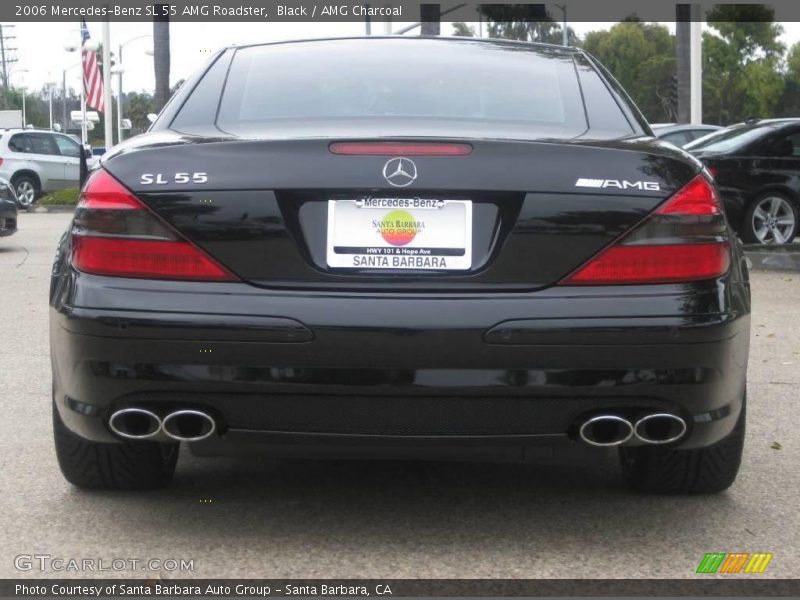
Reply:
x=39, y=161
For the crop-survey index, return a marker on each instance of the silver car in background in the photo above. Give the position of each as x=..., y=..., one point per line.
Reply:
x=682, y=134
x=39, y=161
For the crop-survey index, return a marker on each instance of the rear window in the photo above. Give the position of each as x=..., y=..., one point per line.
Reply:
x=727, y=140
x=402, y=79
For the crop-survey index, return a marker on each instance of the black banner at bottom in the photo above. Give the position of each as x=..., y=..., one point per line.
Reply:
x=396, y=588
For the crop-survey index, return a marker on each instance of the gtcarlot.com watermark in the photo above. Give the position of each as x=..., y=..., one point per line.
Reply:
x=70, y=564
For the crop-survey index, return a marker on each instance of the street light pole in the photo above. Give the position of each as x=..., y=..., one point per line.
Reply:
x=50, y=85
x=120, y=71
x=72, y=46
x=564, y=30
x=119, y=107
x=119, y=95
x=23, y=88
x=108, y=121
x=696, y=62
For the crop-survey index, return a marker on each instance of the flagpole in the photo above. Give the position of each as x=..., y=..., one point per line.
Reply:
x=109, y=125
x=83, y=106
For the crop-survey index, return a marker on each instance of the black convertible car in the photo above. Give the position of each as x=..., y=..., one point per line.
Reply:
x=756, y=166
x=391, y=247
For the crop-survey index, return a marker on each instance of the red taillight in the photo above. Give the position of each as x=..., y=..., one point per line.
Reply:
x=400, y=149
x=684, y=240
x=113, y=233
x=149, y=259
x=103, y=192
x=1, y=162
x=655, y=264
x=698, y=197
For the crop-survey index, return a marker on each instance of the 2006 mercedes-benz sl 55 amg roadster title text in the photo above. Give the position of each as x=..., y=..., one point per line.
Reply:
x=390, y=247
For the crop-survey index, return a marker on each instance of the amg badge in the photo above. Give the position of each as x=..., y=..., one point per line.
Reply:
x=648, y=186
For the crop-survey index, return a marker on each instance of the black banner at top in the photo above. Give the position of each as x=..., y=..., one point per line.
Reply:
x=347, y=10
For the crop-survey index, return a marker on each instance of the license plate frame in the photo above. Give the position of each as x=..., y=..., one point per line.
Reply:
x=399, y=234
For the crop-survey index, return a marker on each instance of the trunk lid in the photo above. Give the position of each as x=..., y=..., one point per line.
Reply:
x=538, y=209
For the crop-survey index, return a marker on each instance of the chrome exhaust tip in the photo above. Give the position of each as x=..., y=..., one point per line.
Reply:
x=660, y=428
x=188, y=425
x=134, y=423
x=606, y=430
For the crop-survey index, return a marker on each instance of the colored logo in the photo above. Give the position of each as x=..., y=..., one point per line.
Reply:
x=734, y=562
x=399, y=227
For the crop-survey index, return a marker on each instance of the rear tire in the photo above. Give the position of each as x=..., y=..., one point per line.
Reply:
x=656, y=470
x=771, y=219
x=127, y=466
x=27, y=190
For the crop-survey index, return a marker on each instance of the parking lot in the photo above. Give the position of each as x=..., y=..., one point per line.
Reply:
x=261, y=518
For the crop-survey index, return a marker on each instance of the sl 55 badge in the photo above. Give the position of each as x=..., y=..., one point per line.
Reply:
x=179, y=178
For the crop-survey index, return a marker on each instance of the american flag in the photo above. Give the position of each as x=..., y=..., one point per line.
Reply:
x=92, y=79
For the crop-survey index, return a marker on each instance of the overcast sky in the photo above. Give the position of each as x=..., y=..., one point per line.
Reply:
x=40, y=46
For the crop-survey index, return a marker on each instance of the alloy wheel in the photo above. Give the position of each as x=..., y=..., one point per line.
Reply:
x=25, y=193
x=773, y=220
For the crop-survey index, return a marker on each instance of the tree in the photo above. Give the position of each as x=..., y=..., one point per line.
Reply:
x=139, y=106
x=37, y=112
x=741, y=52
x=642, y=58
x=790, y=102
x=161, y=56
x=525, y=22
x=463, y=30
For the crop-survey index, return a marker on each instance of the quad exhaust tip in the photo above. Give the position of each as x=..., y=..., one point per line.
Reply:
x=613, y=430
x=134, y=423
x=188, y=425
x=181, y=425
x=606, y=430
x=660, y=428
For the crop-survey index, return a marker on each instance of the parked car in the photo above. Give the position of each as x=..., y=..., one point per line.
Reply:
x=475, y=257
x=757, y=168
x=39, y=161
x=8, y=209
x=682, y=134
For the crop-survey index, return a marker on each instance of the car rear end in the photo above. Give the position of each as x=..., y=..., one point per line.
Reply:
x=486, y=256
x=8, y=209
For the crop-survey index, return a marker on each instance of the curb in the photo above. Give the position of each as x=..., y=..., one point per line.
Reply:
x=783, y=260
x=48, y=208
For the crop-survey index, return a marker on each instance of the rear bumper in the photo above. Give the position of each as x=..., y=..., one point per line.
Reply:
x=8, y=218
x=316, y=371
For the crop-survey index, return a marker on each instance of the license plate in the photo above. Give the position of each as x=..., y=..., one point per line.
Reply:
x=400, y=233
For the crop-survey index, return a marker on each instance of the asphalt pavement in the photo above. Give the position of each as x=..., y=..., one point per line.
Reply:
x=263, y=518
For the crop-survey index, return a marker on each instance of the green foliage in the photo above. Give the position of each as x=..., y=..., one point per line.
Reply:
x=793, y=64
x=743, y=74
x=463, y=30
x=67, y=196
x=742, y=62
x=748, y=28
x=525, y=22
x=790, y=99
x=642, y=58
x=139, y=106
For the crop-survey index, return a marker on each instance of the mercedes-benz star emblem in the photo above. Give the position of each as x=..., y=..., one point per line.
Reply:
x=400, y=171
